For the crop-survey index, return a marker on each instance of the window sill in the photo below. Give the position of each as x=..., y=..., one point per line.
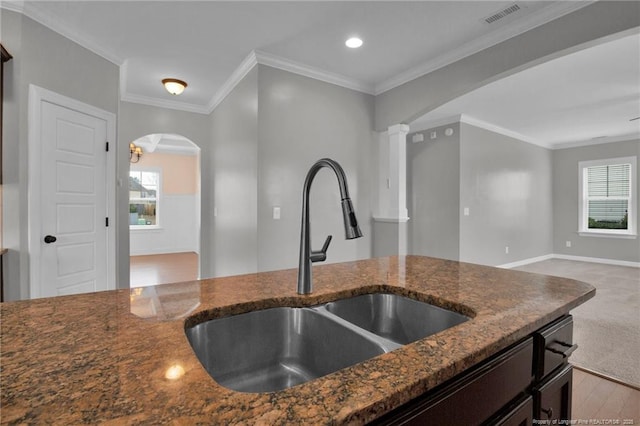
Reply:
x=606, y=235
x=144, y=228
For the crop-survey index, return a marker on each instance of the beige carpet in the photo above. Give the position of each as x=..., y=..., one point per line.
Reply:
x=607, y=327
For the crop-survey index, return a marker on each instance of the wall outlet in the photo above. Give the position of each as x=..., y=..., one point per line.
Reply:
x=567, y=243
x=466, y=211
x=506, y=250
x=276, y=212
x=433, y=135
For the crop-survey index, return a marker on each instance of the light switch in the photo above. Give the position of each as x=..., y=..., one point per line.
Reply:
x=276, y=212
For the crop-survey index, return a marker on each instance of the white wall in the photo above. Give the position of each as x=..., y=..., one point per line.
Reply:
x=178, y=231
x=506, y=184
x=566, y=198
x=302, y=120
x=232, y=184
x=46, y=59
x=433, y=188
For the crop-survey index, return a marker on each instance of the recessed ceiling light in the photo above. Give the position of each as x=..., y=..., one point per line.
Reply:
x=353, y=42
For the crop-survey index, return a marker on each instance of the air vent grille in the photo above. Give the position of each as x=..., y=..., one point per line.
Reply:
x=501, y=14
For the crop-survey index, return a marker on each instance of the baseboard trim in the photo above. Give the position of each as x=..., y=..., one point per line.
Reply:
x=525, y=261
x=163, y=251
x=569, y=257
x=598, y=260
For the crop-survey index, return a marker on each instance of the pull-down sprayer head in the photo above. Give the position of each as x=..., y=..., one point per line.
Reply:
x=351, y=228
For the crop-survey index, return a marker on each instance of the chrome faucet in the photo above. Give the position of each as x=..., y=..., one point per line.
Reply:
x=351, y=228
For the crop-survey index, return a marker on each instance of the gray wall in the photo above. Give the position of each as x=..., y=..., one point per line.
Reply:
x=572, y=32
x=433, y=188
x=46, y=59
x=566, y=198
x=134, y=121
x=232, y=184
x=506, y=184
x=300, y=121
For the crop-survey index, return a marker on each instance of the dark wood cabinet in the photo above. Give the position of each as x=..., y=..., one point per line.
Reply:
x=528, y=381
x=552, y=399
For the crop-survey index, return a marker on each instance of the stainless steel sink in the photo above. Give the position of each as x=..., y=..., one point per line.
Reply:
x=277, y=348
x=396, y=318
x=274, y=349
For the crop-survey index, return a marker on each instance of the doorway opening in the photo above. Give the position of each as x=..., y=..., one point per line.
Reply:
x=164, y=210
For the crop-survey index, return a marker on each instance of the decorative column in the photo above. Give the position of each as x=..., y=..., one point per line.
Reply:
x=390, y=229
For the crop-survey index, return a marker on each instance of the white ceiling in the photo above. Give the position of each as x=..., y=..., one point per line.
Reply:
x=591, y=96
x=209, y=43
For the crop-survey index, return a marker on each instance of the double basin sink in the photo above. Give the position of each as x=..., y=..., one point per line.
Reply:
x=274, y=349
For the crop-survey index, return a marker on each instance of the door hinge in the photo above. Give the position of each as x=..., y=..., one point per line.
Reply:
x=106, y=146
x=106, y=221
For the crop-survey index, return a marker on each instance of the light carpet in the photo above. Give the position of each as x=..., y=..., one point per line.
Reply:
x=606, y=327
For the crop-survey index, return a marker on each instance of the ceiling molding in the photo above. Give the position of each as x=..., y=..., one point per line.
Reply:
x=540, y=17
x=161, y=103
x=597, y=141
x=236, y=77
x=467, y=119
x=285, y=64
x=533, y=20
x=28, y=9
x=431, y=124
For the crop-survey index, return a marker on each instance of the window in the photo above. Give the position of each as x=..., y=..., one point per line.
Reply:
x=607, y=191
x=144, y=191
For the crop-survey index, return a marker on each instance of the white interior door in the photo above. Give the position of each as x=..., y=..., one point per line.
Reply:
x=70, y=247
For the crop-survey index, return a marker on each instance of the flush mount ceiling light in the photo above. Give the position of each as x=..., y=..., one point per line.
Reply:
x=174, y=86
x=353, y=42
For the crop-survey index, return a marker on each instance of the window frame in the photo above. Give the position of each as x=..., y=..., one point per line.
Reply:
x=583, y=200
x=158, y=198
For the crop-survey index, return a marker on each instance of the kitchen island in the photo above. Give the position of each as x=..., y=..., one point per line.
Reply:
x=123, y=357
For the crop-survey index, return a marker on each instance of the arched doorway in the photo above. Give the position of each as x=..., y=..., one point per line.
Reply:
x=164, y=210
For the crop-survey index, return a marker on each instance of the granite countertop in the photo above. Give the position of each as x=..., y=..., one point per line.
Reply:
x=105, y=356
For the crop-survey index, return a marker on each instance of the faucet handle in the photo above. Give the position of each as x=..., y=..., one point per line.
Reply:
x=321, y=255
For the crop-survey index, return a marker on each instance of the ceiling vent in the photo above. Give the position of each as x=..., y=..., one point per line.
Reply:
x=502, y=13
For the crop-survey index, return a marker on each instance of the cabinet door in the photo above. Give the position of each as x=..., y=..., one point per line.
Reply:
x=473, y=398
x=521, y=415
x=553, y=397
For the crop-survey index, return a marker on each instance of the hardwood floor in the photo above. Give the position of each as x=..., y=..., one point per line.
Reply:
x=603, y=401
x=163, y=268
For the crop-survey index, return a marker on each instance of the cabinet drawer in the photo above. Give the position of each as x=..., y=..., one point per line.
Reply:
x=553, y=346
x=475, y=397
x=552, y=399
x=521, y=415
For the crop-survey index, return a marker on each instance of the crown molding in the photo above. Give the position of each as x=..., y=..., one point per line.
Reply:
x=502, y=131
x=597, y=141
x=533, y=20
x=161, y=103
x=285, y=64
x=236, y=77
x=540, y=17
x=28, y=9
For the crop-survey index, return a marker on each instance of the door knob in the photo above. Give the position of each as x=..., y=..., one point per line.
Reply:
x=50, y=239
